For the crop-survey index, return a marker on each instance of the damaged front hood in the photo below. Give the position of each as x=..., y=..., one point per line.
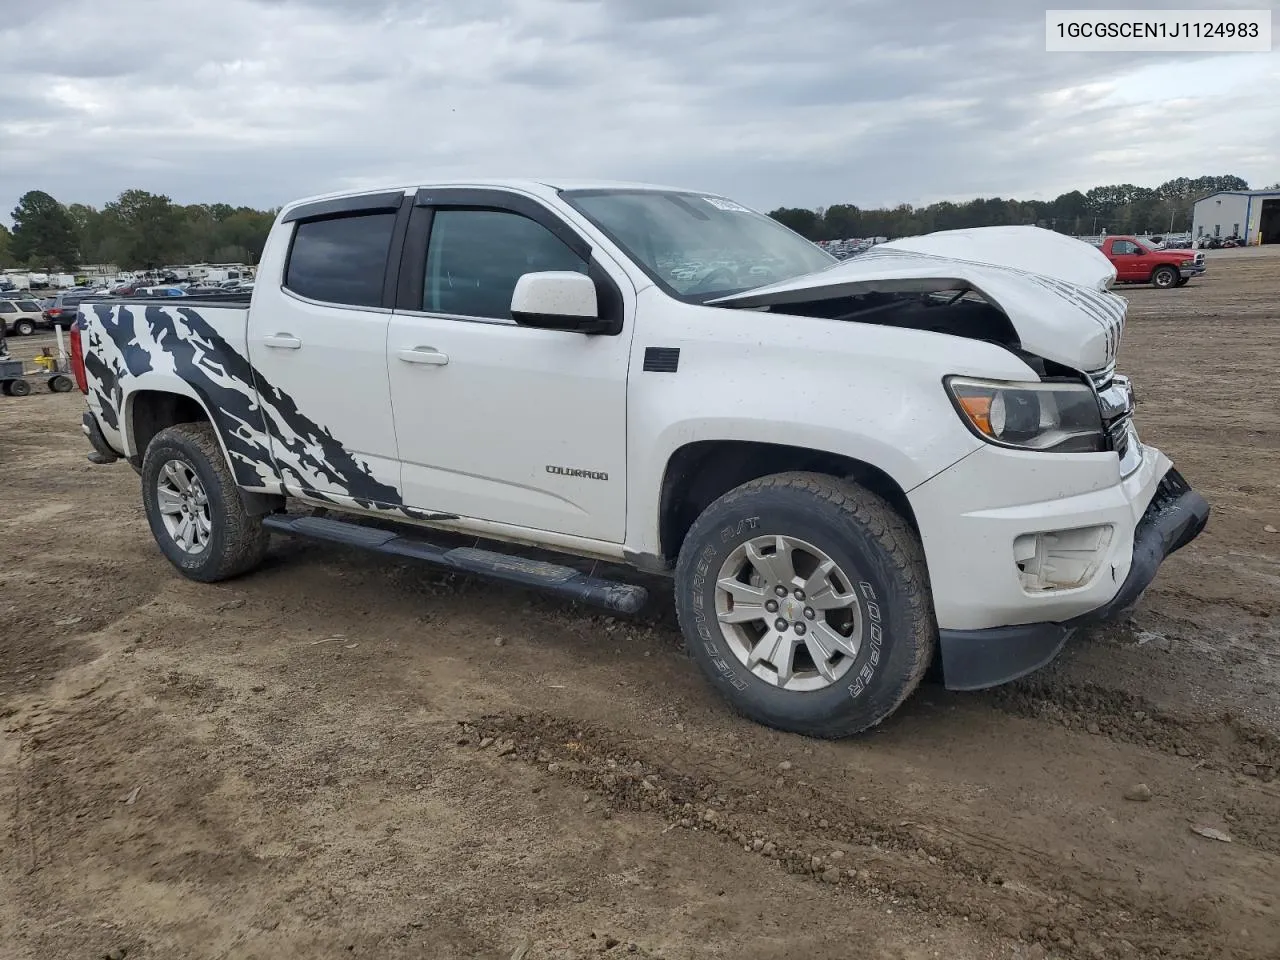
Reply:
x=1053, y=288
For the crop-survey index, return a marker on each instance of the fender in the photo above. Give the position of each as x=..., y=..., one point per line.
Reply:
x=248, y=470
x=868, y=393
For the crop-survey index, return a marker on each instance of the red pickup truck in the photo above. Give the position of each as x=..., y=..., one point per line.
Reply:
x=1138, y=262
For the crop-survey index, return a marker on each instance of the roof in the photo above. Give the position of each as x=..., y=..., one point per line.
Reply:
x=537, y=187
x=1239, y=193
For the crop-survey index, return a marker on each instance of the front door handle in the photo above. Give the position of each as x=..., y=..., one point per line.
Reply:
x=428, y=355
x=282, y=341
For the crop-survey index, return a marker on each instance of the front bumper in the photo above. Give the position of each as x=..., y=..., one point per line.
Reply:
x=1189, y=272
x=974, y=659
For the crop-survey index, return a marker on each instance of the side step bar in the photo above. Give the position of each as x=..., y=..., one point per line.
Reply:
x=534, y=574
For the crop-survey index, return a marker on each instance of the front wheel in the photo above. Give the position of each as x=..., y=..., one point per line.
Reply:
x=805, y=600
x=1164, y=277
x=194, y=508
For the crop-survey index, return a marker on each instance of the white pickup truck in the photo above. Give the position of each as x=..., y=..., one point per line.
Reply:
x=848, y=469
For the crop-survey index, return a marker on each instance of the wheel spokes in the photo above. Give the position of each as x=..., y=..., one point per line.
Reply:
x=168, y=501
x=824, y=639
x=777, y=567
x=822, y=592
x=748, y=601
x=185, y=533
x=177, y=476
x=777, y=648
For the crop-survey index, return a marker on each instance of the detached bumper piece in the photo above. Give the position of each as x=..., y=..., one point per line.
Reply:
x=975, y=659
x=102, y=452
x=534, y=574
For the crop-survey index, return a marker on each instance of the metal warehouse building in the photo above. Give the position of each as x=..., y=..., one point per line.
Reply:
x=1253, y=215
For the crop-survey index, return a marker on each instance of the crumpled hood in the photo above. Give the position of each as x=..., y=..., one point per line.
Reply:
x=1053, y=288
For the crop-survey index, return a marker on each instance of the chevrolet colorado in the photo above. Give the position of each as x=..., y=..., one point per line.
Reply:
x=847, y=469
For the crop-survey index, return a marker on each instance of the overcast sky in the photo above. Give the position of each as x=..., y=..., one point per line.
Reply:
x=774, y=102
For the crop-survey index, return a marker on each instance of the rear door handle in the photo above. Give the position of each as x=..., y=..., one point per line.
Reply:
x=282, y=341
x=429, y=355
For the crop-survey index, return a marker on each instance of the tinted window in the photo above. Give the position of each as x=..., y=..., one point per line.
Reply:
x=1124, y=246
x=475, y=258
x=30, y=306
x=341, y=260
x=7, y=306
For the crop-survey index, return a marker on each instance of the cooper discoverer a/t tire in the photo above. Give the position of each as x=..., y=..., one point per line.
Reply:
x=805, y=600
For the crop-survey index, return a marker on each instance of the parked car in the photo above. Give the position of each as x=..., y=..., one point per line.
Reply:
x=842, y=470
x=61, y=310
x=21, y=316
x=1136, y=262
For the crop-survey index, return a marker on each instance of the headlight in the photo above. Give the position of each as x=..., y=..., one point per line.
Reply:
x=1188, y=263
x=1058, y=417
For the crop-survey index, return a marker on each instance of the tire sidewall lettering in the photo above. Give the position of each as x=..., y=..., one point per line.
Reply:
x=875, y=640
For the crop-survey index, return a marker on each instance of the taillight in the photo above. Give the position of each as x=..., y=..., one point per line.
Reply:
x=77, y=360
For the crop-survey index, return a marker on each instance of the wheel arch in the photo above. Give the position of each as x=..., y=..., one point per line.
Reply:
x=148, y=410
x=700, y=472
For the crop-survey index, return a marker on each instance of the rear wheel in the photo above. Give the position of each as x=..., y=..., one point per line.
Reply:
x=18, y=388
x=805, y=600
x=1164, y=277
x=60, y=383
x=24, y=328
x=194, y=507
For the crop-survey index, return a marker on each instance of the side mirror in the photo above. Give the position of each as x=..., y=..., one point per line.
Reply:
x=557, y=300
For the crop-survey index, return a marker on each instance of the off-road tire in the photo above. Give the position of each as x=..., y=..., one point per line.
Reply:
x=1164, y=278
x=19, y=388
x=871, y=542
x=238, y=541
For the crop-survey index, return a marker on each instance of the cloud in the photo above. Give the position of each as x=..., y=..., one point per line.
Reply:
x=795, y=102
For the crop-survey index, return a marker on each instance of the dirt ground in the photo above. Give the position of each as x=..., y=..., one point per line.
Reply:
x=343, y=756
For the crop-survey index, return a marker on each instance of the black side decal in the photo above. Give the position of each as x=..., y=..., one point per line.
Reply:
x=310, y=444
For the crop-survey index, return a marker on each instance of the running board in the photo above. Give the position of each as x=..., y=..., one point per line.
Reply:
x=535, y=574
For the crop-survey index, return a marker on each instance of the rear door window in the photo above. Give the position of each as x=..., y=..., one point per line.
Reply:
x=341, y=260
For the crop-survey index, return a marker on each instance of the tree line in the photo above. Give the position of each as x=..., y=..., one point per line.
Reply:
x=1119, y=208
x=141, y=230
x=137, y=230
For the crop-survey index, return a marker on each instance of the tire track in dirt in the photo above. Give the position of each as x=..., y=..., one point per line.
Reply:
x=1011, y=890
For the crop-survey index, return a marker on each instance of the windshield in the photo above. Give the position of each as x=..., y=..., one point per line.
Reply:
x=699, y=247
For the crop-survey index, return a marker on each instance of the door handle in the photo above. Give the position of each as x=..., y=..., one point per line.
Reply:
x=429, y=355
x=282, y=341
